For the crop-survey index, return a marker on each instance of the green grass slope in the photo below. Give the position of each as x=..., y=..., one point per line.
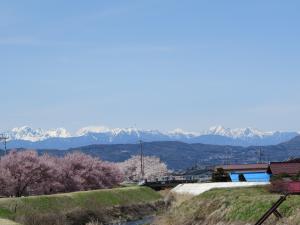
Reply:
x=11, y=208
x=232, y=206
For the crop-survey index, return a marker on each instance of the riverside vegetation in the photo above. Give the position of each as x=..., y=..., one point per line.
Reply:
x=25, y=173
x=79, y=208
x=237, y=206
x=66, y=190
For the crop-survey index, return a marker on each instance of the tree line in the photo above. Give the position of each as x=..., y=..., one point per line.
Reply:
x=24, y=173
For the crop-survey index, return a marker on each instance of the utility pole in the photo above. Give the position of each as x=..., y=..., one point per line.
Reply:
x=228, y=155
x=142, y=159
x=260, y=155
x=4, y=138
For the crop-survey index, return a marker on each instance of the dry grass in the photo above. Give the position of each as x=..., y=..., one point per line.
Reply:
x=178, y=199
x=239, y=206
x=94, y=222
x=7, y=222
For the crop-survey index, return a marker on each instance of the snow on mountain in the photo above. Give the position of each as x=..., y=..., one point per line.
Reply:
x=105, y=130
x=218, y=135
x=179, y=134
x=92, y=129
x=238, y=132
x=29, y=134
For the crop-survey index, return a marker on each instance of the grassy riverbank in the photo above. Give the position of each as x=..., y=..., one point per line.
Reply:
x=80, y=206
x=231, y=206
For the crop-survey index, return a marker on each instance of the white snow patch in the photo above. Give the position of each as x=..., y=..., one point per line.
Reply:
x=199, y=188
x=238, y=132
x=180, y=132
x=92, y=129
x=30, y=134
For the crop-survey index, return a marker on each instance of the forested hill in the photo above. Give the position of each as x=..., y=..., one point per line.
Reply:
x=179, y=155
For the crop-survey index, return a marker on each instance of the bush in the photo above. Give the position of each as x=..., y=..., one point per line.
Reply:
x=80, y=216
x=36, y=218
x=220, y=176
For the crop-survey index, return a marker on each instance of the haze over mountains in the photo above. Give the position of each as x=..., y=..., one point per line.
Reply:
x=26, y=137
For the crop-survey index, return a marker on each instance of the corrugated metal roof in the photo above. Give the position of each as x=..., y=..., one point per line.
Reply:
x=289, y=168
x=245, y=167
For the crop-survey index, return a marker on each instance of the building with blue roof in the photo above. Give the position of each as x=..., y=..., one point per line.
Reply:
x=247, y=172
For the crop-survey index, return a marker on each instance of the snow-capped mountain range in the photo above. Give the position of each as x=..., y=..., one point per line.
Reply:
x=28, y=134
x=62, y=139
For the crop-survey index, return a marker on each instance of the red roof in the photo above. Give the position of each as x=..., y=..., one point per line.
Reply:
x=245, y=167
x=289, y=168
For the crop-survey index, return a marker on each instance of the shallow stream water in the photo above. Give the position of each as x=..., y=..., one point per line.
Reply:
x=143, y=221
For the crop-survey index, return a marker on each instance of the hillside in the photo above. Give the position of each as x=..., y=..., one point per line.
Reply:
x=293, y=144
x=179, y=155
x=239, y=206
x=104, y=205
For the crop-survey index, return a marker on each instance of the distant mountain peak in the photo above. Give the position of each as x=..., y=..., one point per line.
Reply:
x=92, y=129
x=238, y=132
x=219, y=135
x=179, y=131
x=103, y=129
x=218, y=130
x=29, y=134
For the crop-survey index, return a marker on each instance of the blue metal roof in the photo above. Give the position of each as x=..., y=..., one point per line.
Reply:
x=251, y=176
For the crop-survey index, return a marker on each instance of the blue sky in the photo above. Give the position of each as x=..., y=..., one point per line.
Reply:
x=150, y=64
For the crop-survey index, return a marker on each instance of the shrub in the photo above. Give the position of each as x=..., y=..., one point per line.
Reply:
x=36, y=218
x=220, y=176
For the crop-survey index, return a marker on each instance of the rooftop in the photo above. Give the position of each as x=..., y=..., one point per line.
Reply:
x=245, y=167
x=290, y=168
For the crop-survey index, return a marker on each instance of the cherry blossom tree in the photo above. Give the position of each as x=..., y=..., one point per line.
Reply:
x=50, y=182
x=153, y=168
x=21, y=173
x=83, y=172
x=26, y=173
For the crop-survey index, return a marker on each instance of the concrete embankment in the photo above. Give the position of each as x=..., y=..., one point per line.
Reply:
x=199, y=188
